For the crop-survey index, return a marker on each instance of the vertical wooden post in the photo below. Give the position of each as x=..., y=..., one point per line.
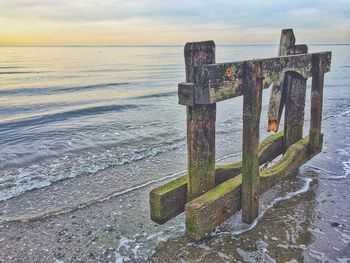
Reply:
x=295, y=94
x=252, y=89
x=316, y=138
x=287, y=40
x=200, y=126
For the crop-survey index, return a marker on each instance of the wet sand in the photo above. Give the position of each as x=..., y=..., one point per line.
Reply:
x=306, y=228
x=313, y=226
x=311, y=223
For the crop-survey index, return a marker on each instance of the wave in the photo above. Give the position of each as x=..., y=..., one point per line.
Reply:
x=94, y=86
x=21, y=72
x=62, y=116
x=10, y=67
x=67, y=166
x=341, y=111
x=68, y=209
x=104, y=70
x=157, y=95
x=336, y=85
x=57, y=90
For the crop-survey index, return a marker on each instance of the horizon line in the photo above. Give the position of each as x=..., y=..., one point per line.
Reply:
x=163, y=45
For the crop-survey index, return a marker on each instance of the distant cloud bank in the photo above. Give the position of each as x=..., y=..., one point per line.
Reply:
x=48, y=22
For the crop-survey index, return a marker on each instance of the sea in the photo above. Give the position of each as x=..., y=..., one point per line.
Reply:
x=81, y=126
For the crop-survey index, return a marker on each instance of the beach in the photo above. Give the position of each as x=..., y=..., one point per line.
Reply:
x=86, y=138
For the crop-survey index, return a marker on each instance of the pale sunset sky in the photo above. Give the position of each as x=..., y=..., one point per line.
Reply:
x=116, y=22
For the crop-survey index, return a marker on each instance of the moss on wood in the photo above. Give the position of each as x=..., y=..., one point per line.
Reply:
x=208, y=209
x=269, y=140
x=219, y=190
x=155, y=204
x=174, y=193
x=191, y=226
x=165, y=188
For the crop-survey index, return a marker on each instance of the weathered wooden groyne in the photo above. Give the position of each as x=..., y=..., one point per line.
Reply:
x=211, y=193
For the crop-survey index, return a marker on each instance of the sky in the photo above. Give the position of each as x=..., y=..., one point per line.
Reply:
x=119, y=22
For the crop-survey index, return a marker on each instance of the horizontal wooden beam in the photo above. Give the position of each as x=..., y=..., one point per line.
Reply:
x=168, y=200
x=217, y=82
x=208, y=211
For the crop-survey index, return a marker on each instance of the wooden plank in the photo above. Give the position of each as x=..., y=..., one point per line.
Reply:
x=208, y=211
x=316, y=137
x=295, y=95
x=295, y=86
x=252, y=84
x=223, y=81
x=218, y=82
x=200, y=126
x=277, y=99
x=168, y=200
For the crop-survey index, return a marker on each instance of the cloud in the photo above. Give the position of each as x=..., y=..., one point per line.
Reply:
x=155, y=21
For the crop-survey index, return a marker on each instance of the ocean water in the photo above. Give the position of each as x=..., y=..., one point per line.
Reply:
x=73, y=111
x=80, y=125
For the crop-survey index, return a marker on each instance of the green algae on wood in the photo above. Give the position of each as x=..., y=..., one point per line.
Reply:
x=164, y=203
x=295, y=156
x=212, y=208
x=191, y=226
x=270, y=141
x=169, y=199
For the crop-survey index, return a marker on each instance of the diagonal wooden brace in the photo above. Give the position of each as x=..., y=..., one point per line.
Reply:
x=278, y=91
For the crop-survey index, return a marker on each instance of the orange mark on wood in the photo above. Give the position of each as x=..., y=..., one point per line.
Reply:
x=273, y=126
x=222, y=215
x=229, y=72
